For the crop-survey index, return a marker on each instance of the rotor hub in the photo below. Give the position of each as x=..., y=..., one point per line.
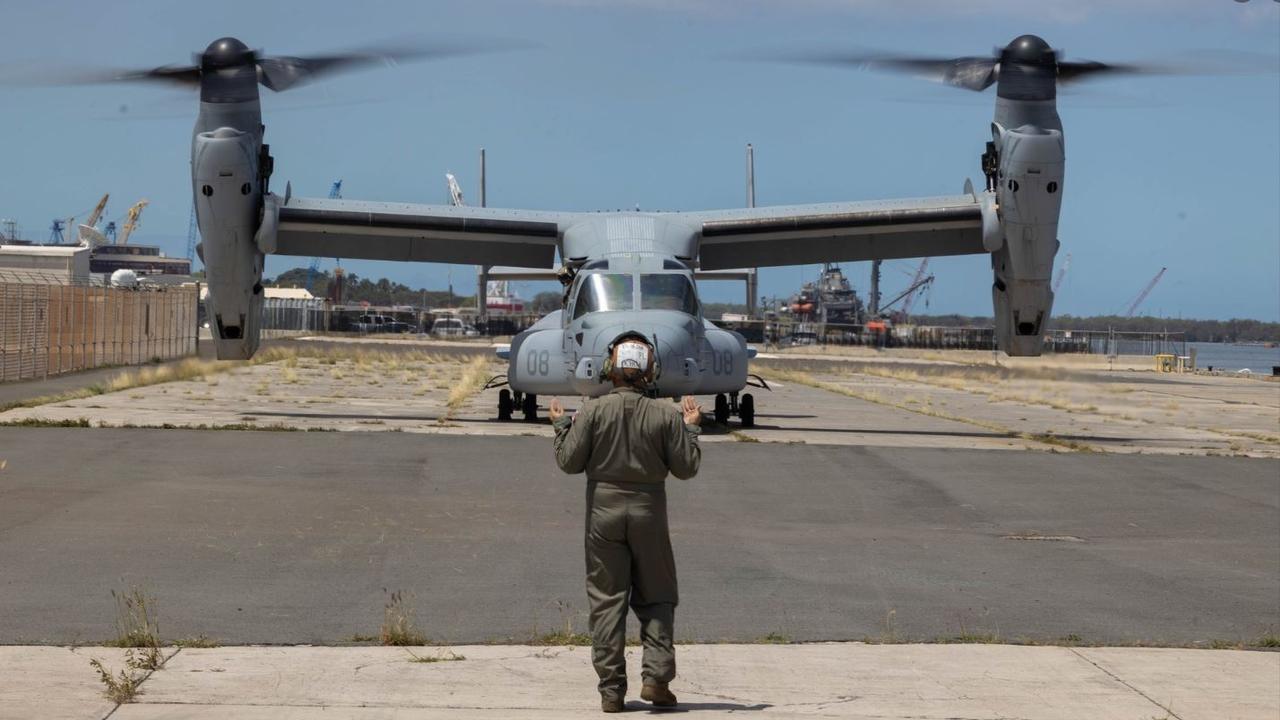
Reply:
x=224, y=53
x=1029, y=50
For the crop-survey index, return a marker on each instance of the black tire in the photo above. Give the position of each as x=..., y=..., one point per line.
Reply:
x=747, y=411
x=530, y=407
x=505, y=405
x=722, y=409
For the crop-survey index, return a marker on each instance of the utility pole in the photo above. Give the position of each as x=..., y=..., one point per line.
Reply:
x=753, y=283
x=875, y=290
x=482, y=271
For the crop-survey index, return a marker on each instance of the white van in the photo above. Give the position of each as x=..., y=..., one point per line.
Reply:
x=453, y=327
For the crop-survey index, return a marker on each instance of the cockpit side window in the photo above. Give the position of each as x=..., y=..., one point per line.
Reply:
x=602, y=292
x=669, y=291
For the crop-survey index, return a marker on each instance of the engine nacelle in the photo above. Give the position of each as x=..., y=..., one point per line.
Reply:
x=1029, y=194
x=724, y=363
x=228, y=207
x=537, y=364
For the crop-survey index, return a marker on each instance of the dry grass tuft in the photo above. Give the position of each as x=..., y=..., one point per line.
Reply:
x=474, y=375
x=398, y=624
x=136, y=625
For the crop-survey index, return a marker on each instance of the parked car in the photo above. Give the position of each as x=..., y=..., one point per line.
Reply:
x=380, y=324
x=453, y=327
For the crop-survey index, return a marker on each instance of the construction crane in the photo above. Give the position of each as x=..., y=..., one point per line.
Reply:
x=1133, y=306
x=55, y=231
x=96, y=215
x=916, y=285
x=193, y=234
x=133, y=218
x=455, y=192
x=313, y=270
x=1062, y=272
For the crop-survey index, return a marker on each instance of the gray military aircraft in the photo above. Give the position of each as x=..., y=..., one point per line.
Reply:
x=631, y=272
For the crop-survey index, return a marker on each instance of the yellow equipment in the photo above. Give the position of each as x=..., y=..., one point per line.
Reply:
x=132, y=221
x=97, y=211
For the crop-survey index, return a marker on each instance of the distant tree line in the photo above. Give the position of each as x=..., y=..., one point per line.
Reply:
x=375, y=292
x=1234, y=330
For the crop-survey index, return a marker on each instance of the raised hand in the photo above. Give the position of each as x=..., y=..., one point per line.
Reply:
x=691, y=410
x=555, y=410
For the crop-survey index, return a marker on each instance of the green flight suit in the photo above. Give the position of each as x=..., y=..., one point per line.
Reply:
x=627, y=443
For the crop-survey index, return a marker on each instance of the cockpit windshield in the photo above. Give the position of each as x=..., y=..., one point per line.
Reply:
x=601, y=292
x=669, y=291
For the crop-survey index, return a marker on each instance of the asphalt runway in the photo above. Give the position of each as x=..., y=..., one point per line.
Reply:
x=289, y=537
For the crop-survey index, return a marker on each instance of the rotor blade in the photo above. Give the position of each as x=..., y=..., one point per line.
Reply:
x=282, y=72
x=1193, y=63
x=183, y=75
x=975, y=73
x=180, y=75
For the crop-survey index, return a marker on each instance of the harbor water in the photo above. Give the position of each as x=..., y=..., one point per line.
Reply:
x=1233, y=358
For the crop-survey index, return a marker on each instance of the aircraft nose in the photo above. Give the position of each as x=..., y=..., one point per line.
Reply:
x=677, y=354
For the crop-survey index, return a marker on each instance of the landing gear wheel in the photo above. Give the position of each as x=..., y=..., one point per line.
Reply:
x=530, y=407
x=722, y=409
x=517, y=398
x=505, y=405
x=747, y=411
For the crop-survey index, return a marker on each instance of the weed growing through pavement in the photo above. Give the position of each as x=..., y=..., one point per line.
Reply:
x=140, y=662
x=136, y=625
x=567, y=636
x=441, y=656
x=47, y=423
x=398, y=624
x=199, y=641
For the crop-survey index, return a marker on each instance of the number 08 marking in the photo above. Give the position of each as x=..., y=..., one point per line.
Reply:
x=538, y=363
x=722, y=362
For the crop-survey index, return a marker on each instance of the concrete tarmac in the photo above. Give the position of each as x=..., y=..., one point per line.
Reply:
x=497, y=682
x=289, y=537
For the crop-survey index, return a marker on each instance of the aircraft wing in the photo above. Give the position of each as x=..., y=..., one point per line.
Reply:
x=360, y=230
x=840, y=232
x=525, y=274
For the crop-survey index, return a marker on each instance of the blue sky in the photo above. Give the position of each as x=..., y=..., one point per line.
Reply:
x=640, y=103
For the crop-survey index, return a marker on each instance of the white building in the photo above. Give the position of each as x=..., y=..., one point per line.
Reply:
x=44, y=263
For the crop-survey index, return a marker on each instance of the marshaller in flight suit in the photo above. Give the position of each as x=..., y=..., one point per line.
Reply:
x=627, y=443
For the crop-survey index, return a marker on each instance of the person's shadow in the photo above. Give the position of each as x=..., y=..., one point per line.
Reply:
x=693, y=706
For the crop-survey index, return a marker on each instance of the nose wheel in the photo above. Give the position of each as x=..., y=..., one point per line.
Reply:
x=505, y=405
x=509, y=402
x=744, y=407
x=530, y=408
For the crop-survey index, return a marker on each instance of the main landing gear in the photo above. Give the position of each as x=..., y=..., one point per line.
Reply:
x=508, y=402
x=744, y=408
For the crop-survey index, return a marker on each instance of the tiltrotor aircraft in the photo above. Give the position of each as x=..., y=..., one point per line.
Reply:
x=631, y=272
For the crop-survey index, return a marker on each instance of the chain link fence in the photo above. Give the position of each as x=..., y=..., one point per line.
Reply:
x=791, y=333
x=48, y=328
